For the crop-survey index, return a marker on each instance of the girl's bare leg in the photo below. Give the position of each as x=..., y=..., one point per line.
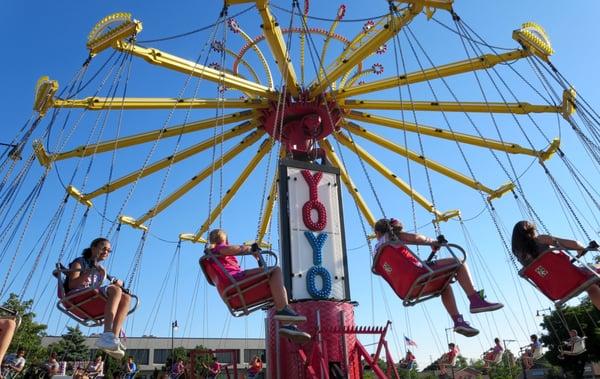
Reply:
x=110, y=310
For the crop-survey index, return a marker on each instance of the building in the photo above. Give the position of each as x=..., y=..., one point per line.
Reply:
x=151, y=352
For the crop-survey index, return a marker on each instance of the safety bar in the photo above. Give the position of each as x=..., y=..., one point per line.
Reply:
x=61, y=269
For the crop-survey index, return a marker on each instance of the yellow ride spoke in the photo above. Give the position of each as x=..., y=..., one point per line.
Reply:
x=265, y=147
x=160, y=58
x=274, y=37
x=446, y=106
x=418, y=158
x=477, y=63
x=394, y=24
x=512, y=148
x=268, y=211
x=388, y=174
x=137, y=139
x=347, y=180
x=101, y=103
x=172, y=159
x=200, y=176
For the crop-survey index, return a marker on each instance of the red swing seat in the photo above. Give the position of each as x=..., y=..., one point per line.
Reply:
x=412, y=279
x=86, y=306
x=556, y=276
x=242, y=296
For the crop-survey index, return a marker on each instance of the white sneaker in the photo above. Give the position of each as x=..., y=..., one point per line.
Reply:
x=117, y=354
x=107, y=342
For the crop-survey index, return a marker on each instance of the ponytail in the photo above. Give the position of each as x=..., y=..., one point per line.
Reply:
x=391, y=227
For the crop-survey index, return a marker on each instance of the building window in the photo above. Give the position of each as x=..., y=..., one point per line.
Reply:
x=161, y=355
x=140, y=356
x=227, y=357
x=250, y=353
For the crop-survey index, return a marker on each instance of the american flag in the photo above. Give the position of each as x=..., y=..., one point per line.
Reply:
x=409, y=342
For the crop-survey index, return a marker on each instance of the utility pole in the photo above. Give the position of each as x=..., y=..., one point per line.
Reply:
x=174, y=328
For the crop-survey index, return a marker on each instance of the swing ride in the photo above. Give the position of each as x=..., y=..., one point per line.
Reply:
x=311, y=109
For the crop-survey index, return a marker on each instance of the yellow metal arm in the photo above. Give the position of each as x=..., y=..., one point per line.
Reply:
x=100, y=103
x=274, y=38
x=137, y=139
x=350, y=186
x=387, y=173
x=160, y=58
x=199, y=177
x=446, y=106
x=172, y=159
x=512, y=148
x=478, y=63
x=268, y=211
x=265, y=147
x=455, y=175
x=392, y=27
x=44, y=94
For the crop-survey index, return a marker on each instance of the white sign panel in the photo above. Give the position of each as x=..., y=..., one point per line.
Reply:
x=316, y=240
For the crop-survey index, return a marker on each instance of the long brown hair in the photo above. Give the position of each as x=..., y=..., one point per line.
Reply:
x=391, y=227
x=523, y=238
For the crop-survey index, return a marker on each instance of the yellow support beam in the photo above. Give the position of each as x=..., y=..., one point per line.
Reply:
x=446, y=106
x=274, y=37
x=347, y=180
x=268, y=211
x=460, y=67
x=265, y=147
x=112, y=28
x=44, y=94
x=512, y=148
x=137, y=139
x=172, y=159
x=160, y=58
x=386, y=172
x=435, y=166
x=392, y=27
x=199, y=177
x=101, y=103
x=191, y=237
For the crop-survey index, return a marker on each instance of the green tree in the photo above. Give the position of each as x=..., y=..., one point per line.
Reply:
x=113, y=368
x=581, y=318
x=29, y=334
x=72, y=346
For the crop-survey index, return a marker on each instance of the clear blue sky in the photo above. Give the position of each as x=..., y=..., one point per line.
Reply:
x=48, y=38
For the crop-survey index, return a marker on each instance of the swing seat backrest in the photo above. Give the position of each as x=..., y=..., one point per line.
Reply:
x=411, y=279
x=492, y=357
x=86, y=305
x=242, y=296
x=557, y=277
x=578, y=348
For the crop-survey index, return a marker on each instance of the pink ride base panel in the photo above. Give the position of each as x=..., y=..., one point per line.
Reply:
x=331, y=314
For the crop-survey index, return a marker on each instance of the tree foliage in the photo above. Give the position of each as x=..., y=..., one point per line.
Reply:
x=72, y=346
x=582, y=318
x=29, y=334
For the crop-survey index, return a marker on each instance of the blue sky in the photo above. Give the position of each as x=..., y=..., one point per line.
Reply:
x=49, y=39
